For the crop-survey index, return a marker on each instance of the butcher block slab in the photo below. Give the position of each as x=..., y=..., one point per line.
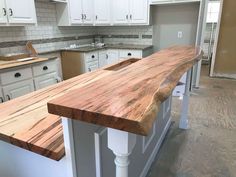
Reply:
x=15, y=63
x=128, y=99
x=26, y=123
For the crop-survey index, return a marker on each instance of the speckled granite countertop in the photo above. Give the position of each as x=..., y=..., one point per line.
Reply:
x=107, y=46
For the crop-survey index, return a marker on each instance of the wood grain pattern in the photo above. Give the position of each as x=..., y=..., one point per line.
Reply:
x=26, y=123
x=128, y=99
x=14, y=63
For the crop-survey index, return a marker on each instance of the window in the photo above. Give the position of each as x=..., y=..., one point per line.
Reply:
x=213, y=12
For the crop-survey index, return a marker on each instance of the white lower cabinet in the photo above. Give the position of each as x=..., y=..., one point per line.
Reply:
x=19, y=81
x=124, y=54
x=103, y=57
x=112, y=56
x=46, y=80
x=18, y=89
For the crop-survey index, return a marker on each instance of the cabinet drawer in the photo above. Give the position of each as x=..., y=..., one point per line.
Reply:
x=130, y=53
x=46, y=80
x=44, y=68
x=91, y=66
x=18, y=89
x=92, y=56
x=16, y=75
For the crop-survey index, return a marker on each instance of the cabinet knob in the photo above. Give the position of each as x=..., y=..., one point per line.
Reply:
x=85, y=16
x=127, y=17
x=17, y=75
x=89, y=69
x=8, y=97
x=82, y=16
x=106, y=56
x=129, y=54
x=93, y=56
x=1, y=99
x=11, y=12
x=96, y=17
x=130, y=17
x=4, y=11
x=45, y=68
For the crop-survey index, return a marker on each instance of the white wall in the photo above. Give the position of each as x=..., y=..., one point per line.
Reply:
x=168, y=20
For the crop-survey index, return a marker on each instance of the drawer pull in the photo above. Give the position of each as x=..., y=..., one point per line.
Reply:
x=17, y=75
x=93, y=56
x=1, y=99
x=4, y=11
x=8, y=97
x=45, y=68
x=89, y=69
x=129, y=54
x=11, y=12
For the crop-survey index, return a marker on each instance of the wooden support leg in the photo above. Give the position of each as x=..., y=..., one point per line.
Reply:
x=183, y=124
x=122, y=144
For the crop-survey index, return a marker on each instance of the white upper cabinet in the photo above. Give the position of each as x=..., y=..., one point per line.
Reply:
x=3, y=12
x=133, y=12
x=102, y=12
x=88, y=11
x=76, y=13
x=120, y=11
x=139, y=11
x=21, y=12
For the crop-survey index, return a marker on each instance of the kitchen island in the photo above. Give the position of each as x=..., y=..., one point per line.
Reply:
x=125, y=108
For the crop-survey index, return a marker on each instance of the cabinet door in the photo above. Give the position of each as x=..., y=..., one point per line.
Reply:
x=21, y=12
x=18, y=89
x=102, y=11
x=46, y=80
x=103, y=57
x=91, y=67
x=139, y=11
x=113, y=56
x=1, y=96
x=120, y=11
x=3, y=12
x=88, y=11
x=76, y=12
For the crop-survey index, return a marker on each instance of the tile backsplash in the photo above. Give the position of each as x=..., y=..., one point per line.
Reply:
x=127, y=35
x=46, y=35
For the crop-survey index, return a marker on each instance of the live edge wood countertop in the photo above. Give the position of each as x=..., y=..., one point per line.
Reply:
x=128, y=99
x=125, y=99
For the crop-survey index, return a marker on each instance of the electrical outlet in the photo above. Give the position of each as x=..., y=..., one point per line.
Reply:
x=180, y=34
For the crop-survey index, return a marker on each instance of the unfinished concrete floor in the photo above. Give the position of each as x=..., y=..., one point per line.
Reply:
x=208, y=148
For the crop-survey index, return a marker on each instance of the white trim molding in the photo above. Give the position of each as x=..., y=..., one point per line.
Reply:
x=97, y=147
x=147, y=143
x=216, y=39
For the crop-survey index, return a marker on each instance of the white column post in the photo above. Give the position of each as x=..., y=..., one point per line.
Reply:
x=69, y=147
x=183, y=124
x=122, y=144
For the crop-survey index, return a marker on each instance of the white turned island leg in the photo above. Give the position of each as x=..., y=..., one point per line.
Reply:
x=122, y=144
x=183, y=124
